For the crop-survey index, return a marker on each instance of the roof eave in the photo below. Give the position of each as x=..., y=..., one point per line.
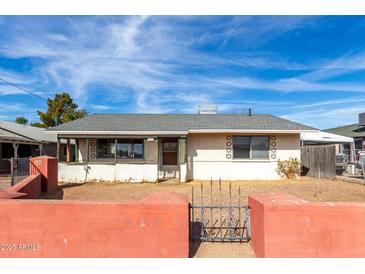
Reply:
x=108, y=132
x=252, y=130
x=147, y=132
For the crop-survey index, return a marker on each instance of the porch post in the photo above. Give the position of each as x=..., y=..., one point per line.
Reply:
x=58, y=149
x=68, y=151
x=15, y=147
x=76, y=151
x=158, y=160
x=115, y=154
x=353, y=152
x=40, y=149
x=182, y=150
x=87, y=152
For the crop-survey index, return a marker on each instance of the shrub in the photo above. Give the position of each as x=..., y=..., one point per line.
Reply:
x=288, y=168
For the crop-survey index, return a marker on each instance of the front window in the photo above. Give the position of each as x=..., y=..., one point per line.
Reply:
x=120, y=149
x=130, y=149
x=251, y=147
x=106, y=149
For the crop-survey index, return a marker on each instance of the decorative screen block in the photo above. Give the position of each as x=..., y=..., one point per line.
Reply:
x=273, y=147
x=228, y=147
x=92, y=149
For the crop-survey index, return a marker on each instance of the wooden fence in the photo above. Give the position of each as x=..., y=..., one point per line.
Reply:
x=319, y=161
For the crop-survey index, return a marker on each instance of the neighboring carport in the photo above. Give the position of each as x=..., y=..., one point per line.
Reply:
x=326, y=138
x=15, y=146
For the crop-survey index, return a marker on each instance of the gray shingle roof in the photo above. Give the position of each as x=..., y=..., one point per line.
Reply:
x=28, y=132
x=10, y=136
x=179, y=122
x=352, y=130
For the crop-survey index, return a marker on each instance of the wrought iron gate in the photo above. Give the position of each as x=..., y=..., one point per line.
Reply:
x=219, y=217
x=19, y=169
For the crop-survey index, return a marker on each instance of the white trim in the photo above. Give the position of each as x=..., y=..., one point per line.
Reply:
x=4, y=141
x=126, y=132
x=179, y=132
x=250, y=131
x=236, y=161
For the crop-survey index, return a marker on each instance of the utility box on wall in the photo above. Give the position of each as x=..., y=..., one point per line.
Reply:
x=48, y=168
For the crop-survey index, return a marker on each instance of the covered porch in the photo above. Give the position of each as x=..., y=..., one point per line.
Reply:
x=13, y=148
x=122, y=158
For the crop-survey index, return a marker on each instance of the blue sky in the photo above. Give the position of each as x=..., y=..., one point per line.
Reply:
x=307, y=69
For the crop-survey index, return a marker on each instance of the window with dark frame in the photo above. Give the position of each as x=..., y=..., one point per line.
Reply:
x=105, y=149
x=251, y=147
x=130, y=149
x=120, y=149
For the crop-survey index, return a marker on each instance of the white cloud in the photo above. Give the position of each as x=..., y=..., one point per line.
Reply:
x=342, y=65
x=128, y=53
x=125, y=36
x=332, y=102
x=154, y=64
x=23, y=81
x=286, y=85
x=325, y=118
x=100, y=107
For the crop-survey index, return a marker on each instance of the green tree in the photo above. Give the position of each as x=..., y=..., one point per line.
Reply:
x=21, y=120
x=60, y=110
x=37, y=124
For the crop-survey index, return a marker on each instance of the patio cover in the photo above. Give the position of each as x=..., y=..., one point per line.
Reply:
x=324, y=137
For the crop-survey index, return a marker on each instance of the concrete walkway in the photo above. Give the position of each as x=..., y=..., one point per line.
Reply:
x=352, y=179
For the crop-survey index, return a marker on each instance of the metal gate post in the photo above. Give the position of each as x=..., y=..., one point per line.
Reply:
x=248, y=223
x=192, y=220
x=12, y=171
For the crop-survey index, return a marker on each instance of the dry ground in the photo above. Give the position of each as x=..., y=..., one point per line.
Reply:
x=4, y=182
x=310, y=189
x=307, y=188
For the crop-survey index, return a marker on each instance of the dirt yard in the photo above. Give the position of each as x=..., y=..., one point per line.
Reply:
x=307, y=188
x=4, y=182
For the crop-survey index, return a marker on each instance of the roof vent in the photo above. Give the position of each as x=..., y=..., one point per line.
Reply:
x=208, y=109
x=362, y=119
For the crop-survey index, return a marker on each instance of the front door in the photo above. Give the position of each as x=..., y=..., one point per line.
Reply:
x=169, y=151
x=169, y=164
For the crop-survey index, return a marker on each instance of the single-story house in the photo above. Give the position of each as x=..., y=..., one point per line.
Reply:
x=153, y=147
x=21, y=141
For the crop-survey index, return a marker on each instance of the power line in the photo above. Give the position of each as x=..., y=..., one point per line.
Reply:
x=27, y=91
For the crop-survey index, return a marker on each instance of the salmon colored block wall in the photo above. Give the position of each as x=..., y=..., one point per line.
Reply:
x=285, y=226
x=48, y=167
x=156, y=226
x=257, y=227
x=28, y=188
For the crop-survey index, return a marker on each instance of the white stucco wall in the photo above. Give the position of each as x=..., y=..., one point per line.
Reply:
x=136, y=172
x=207, y=158
x=183, y=173
x=76, y=173
x=82, y=150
